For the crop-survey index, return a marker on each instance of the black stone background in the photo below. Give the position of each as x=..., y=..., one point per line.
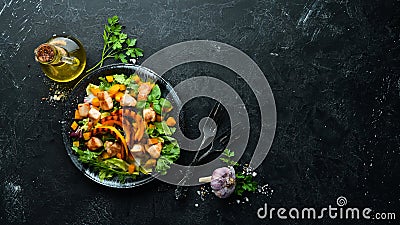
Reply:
x=333, y=67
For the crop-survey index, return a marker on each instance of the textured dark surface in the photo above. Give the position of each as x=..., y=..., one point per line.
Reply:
x=334, y=69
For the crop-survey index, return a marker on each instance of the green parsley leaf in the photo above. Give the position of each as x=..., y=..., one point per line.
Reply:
x=138, y=52
x=131, y=42
x=140, y=104
x=122, y=37
x=244, y=183
x=116, y=45
x=130, y=52
x=228, y=155
x=122, y=57
x=157, y=108
x=155, y=93
x=165, y=103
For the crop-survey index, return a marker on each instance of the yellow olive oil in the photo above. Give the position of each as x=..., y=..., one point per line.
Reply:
x=62, y=58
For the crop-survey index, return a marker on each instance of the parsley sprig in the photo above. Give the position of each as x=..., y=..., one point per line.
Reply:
x=244, y=181
x=117, y=45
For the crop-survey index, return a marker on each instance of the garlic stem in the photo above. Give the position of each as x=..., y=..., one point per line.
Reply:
x=205, y=179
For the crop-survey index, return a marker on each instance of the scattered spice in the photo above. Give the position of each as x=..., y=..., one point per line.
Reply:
x=203, y=192
x=57, y=93
x=265, y=190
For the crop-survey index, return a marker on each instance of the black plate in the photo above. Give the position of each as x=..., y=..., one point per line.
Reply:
x=79, y=92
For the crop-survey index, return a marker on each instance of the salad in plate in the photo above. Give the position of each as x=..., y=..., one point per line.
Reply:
x=122, y=128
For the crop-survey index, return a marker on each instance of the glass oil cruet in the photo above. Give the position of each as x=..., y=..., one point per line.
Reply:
x=62, y=58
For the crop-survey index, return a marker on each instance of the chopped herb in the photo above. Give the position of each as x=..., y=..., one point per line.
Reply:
x=107, y=168
x=169, y=153
x=120, y=79
x=162, y=128
x=104, y=84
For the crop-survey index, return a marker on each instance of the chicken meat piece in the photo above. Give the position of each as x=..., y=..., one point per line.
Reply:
x=94, y=114
x=137, y=151
x=155, y=151
x=128, y=100
x=94, y=143
x=149, y=115
x=83, y=109
x=112, y=148
x=144, y=90
x=150, y=164
x=106, y=102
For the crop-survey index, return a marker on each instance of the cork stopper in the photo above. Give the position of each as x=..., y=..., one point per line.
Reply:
x=45, y=53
